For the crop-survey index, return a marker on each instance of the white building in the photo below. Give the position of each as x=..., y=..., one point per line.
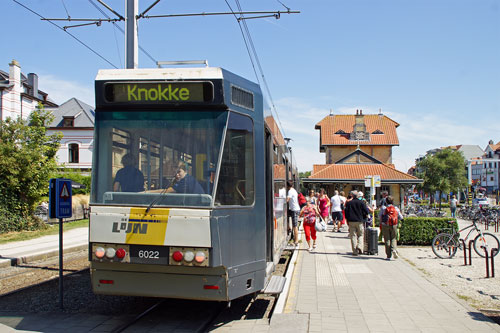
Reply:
x=75, y=120
x=486, y=170
x=19, y=95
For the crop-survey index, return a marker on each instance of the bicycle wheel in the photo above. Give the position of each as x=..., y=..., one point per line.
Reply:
x=488, y=240
x=444, y=246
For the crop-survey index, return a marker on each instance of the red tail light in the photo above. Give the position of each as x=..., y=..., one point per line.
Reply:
x=106, y=281
x=120, y=253
x=177, y=256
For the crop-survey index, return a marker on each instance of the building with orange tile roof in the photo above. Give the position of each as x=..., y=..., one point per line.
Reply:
x=355, y=147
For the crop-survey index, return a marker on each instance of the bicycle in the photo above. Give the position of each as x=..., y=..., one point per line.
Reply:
x=445, y=244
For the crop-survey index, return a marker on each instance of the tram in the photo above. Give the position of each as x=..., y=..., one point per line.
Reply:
x=188, y=185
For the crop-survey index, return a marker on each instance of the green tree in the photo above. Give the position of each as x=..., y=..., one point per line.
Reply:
x=443, y=172
x=27, y=159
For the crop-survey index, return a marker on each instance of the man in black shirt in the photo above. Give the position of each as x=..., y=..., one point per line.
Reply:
x=356, y=212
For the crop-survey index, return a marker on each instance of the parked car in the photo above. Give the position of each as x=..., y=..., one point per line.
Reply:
x=481, y=202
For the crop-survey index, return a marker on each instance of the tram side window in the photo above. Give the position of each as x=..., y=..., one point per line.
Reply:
x=236, y=179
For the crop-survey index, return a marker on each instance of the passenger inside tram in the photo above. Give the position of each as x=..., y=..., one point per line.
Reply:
x=128, y=178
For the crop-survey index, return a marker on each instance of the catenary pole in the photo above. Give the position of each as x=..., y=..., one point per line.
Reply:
x=131, y=53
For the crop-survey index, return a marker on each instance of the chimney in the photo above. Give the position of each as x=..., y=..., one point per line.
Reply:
x=15, y=73
x=14, y=109
x=33, y=83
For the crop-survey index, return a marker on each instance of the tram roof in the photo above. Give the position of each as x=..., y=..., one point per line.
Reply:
x=160, y=73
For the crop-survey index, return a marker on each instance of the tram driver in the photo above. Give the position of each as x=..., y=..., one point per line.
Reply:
x=183, y=182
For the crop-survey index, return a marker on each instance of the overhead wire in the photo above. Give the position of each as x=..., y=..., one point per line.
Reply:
x=74, y=37
x=255, y=55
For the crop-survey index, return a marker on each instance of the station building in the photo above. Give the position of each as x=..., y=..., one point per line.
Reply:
x=356, y=147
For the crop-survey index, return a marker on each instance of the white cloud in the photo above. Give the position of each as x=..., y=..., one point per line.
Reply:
x=61, y=90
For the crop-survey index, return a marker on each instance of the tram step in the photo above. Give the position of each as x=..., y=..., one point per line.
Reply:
x=275, y=285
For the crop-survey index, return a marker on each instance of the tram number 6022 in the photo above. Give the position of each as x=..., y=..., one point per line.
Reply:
x=145, y=254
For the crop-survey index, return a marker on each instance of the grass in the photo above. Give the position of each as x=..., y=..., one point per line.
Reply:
x=52, y=230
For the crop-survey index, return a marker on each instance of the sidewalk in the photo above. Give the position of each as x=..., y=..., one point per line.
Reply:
x=332, y=290
x=43, y=247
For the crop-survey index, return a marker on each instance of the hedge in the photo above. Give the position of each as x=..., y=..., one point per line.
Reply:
x=421, y=230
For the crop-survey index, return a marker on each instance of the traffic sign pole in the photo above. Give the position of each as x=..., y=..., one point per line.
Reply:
x=61, y=304
x=60, y=206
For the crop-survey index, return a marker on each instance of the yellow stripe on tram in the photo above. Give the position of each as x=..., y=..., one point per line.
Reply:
x=148, y=229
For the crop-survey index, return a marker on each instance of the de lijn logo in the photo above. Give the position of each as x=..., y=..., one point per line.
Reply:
x=130, y=227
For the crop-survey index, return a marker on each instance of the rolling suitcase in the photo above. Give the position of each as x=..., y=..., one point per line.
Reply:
x=371, y=241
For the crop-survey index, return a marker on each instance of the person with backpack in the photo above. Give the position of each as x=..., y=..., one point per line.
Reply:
x=389, y=219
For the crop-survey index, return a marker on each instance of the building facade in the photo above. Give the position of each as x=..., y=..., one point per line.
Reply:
x=357, y=147
x=75, y=120
x=19, y=94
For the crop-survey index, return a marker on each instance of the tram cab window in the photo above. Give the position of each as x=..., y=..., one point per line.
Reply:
x=157, y=141
x=236, y=178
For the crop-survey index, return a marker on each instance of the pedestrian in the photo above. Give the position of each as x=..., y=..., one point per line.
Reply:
x=356, y=212
x=336, y=207
x=302, y=200
x=384, y=196
x=310, y=213
x=323, y=205
x=294, y=210
x=343, y=200
x=312, y=197
x=389, y=218
x=453, y=205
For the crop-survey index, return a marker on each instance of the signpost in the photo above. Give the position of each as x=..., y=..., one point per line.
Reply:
x=60, y=206
x=372, y=182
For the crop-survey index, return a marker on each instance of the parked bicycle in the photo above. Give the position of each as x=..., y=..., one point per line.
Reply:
x=446, y=244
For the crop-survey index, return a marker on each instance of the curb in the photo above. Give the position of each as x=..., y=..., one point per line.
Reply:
x=7, y=262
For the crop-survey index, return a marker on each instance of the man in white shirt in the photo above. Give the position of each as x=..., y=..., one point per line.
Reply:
x=294, y=209
x=336, y=211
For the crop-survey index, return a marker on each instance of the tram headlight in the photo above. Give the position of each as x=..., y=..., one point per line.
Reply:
x=189, y=256
x=200, y=257
x=99, y=252
x=110, y=252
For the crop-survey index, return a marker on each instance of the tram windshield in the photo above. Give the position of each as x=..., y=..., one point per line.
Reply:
x=156, y=157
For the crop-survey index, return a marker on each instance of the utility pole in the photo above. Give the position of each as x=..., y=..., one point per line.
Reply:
x=131, y=53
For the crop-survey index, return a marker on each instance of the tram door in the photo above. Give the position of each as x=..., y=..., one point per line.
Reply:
x=269, y=195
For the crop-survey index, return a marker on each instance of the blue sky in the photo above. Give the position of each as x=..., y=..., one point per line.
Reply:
x=433, y=66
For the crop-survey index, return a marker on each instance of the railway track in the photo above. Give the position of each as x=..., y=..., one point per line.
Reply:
x=126, y=313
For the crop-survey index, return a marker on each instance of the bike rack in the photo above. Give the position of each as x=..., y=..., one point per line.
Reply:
x=465, y=253
x=496, y=225
x=487, y=262
x=494, y=251
x=470, y=252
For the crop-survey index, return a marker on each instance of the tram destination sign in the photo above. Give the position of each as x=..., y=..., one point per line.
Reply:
x=159, y=92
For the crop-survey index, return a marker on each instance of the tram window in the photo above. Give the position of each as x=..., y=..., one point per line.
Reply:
x=236, y=179
x=158, y=142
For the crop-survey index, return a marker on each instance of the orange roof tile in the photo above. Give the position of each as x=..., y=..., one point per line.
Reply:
x=331, y=124
x=358, y=172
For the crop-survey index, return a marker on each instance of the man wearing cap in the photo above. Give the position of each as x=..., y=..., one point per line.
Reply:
x=356, y=212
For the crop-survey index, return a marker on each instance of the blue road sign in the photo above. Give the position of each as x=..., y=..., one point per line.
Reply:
x=61, y=196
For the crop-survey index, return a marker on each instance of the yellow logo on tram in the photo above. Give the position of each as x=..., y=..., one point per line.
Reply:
x=147, y=229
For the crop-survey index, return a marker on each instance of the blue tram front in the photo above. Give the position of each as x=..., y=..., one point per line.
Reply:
x=184, y=199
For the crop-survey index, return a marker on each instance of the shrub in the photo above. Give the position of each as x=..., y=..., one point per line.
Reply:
x=11, y=222
x=421, y=230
